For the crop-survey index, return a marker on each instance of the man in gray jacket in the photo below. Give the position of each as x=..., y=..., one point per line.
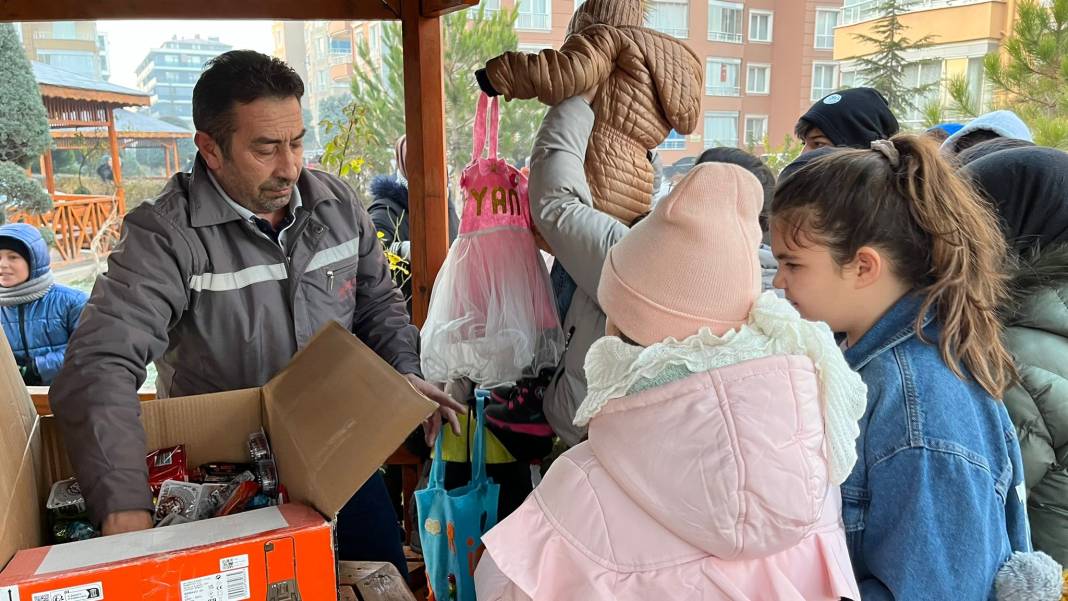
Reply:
x=220, y=281
x=579, y=236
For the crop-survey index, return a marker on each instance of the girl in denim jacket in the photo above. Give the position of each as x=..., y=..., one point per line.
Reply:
x=903, y=259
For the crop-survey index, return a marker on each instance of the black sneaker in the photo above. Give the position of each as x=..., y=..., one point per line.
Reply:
x=519, y=408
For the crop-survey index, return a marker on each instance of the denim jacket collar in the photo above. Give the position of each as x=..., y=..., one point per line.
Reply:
x=893, y=328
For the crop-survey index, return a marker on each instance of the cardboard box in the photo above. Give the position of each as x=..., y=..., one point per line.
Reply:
x=333, y=416
x=371, y=581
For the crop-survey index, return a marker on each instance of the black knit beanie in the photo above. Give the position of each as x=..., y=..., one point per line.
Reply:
x=15, y=245
x=852, y=118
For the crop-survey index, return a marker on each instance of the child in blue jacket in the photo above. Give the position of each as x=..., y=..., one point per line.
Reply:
x=39, y=316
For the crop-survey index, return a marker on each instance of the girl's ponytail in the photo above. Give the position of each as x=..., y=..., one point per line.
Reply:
x=941, y=236
x=967, y=261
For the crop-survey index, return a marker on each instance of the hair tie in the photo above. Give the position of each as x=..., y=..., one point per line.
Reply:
x=888, y=150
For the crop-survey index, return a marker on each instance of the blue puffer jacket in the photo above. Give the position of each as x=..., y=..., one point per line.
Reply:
x=48, y=322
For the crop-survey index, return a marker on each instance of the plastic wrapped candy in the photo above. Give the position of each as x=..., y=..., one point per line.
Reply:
x=182, y=498
x=166, y=464
x=69, y=531
x=65, y=500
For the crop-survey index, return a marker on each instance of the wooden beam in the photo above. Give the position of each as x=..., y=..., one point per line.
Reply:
x=66, y=10
x=424, y=104
x=116, y=162
x=49, y=172
x=439, y=8
x=111, y=98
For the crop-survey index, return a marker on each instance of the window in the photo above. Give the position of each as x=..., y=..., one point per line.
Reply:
x=721, y=129
x=488, y=6
x=84, y=63
x=64, y=30
x=760, y=25
x=826, y=21
x=533, y=48
x=721, y=77
x=824, y=79
x=340, y=46
x=977, y=84
x=758, y=79
x=756, y=129
x=674, y=141
x=926, y=74
x=670, y=17
x=534, y=14
x=724, y=22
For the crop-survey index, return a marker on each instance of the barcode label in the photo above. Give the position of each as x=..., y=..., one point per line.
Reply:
x=224, y=586
x=89, y=592
x=226, y=564
x=237, y=585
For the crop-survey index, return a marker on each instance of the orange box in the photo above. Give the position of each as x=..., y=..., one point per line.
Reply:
x=332, y=416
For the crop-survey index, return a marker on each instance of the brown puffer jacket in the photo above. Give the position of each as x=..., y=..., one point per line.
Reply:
x=651, y=83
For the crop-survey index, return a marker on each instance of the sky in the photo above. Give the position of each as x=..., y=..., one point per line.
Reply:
x=130, y=41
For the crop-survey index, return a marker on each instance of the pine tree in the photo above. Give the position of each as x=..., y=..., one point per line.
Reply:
x=1032, y=76
x=884, y=69
x=23, y=128
x=470, y=38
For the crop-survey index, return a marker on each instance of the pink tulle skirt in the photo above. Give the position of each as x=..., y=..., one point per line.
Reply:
x=492, y=316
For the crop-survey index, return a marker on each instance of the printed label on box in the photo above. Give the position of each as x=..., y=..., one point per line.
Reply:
x=87, y=592
x=9, y=593
x=225, y=564
x=224, y=586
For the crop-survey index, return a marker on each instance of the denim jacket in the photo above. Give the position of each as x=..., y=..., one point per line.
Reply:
x=933, y=506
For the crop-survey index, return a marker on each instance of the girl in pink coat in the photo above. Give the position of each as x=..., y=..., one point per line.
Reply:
x=720, y=426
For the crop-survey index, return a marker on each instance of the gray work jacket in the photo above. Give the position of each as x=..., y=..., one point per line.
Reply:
x=218, y=306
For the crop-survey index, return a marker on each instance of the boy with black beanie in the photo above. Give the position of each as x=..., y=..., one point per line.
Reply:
x=851, y=118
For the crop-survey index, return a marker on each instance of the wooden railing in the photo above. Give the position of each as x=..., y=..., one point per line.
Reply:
x=77, y=220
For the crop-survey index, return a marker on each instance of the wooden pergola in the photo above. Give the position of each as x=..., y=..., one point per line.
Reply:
x=424, y=90
x=134, y=130
x=76, y=103
x=73, y=101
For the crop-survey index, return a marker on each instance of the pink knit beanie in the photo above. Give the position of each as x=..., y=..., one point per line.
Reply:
x=692, y=263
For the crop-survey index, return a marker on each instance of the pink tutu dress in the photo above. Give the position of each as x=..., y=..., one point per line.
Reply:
x=492, y=316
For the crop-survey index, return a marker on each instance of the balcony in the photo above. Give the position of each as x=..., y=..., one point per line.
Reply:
x=338, y=29
x=341, y=72
x=869, y=10
x=340, y=58
x=948, y=21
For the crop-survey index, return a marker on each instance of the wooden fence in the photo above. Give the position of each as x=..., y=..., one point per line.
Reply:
x=78, y=220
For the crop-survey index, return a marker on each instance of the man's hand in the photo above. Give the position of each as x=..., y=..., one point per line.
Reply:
x=447, y=410
x=126, y=521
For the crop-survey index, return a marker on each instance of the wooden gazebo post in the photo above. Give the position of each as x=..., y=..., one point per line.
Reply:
x=116, y=163
x=424, y=101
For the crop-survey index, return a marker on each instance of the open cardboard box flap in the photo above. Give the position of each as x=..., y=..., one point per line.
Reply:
x=333, y=416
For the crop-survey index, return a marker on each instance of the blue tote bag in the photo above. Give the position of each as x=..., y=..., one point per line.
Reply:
x=452, y=522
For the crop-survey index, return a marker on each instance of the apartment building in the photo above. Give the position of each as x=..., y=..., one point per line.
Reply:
x=765, y=61
x=74, y=46
x=289, y=45
x=964, y=31
x=168, y=74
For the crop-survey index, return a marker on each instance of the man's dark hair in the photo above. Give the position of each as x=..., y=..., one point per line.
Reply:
x=976, y=137
x=239, y=77
x=802, y=128
x=751, y=163
x=982, y=149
